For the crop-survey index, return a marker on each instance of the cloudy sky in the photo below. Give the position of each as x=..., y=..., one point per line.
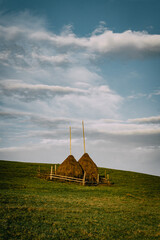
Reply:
x=62, y=62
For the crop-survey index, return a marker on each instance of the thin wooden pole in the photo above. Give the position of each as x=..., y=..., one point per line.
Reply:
x=55, y=168
x=98, y=179
x=51, y=173
x=84, y=178
x=105, y=174
x=83, y=137
x=70, y=139
x=108, y=177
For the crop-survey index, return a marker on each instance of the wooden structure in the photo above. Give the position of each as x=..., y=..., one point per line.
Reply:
x=67, y=178
x=83, y=180
x=70, y=139
x=84, y=171
x=83, y=137
x=107, y=180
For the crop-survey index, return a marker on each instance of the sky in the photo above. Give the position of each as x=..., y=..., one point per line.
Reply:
x=62, y=62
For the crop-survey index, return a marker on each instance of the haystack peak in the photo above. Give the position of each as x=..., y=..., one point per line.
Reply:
x=89, y=167
x=70, y=167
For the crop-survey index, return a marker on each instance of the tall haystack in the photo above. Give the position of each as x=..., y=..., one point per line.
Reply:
x=70, y=167
x=89, y=167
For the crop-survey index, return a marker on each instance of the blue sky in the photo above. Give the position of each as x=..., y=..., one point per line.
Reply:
x=62, y=62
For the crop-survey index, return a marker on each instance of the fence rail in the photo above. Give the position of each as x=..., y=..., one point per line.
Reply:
x=67, y=178
x=54, y=175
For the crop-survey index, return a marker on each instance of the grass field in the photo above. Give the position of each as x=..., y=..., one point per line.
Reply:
x=34, y=208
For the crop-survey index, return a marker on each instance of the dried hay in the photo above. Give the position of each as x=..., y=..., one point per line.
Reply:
x=89, y=167
x=70, y=167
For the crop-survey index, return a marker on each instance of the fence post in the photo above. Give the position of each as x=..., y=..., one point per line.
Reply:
x=51, y=173
x=98, y=179
x=84, y=177
x=105, y=174
x=107, y=177
x=55, y=169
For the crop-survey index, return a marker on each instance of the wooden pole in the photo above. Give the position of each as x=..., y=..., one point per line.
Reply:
x=55, y=168
x=84, y=177
x=51, y=173
x=98, y=179
x=108, y=177
x=83, y=137
x=70, y=139
x=105, y=174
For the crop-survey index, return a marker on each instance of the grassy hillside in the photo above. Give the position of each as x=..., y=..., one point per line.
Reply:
x=34, y=208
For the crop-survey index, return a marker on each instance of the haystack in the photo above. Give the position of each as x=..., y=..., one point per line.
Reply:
x=89, y=167
x=70, y=167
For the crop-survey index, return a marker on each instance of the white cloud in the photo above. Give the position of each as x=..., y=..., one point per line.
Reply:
x=33, y=92
x=148, y=148
x=102, y=41
x=137, y=96
x=4, y=55
x=144, y=95
x=155, y=93
x=129, y=44
x=94, y=101
x=57, y=59
x=149, y=120
x=96, y=129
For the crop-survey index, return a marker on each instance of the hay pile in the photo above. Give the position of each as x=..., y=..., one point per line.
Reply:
x=70, y=167
x=89, y=167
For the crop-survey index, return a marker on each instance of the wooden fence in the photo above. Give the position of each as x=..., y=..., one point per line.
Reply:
x=70, y=179
x=67, y=178
x=54, y=175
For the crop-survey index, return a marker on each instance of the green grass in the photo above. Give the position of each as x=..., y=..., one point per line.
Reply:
x=34, y=208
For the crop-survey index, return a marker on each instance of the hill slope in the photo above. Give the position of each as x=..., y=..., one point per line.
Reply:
x=33, y=208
